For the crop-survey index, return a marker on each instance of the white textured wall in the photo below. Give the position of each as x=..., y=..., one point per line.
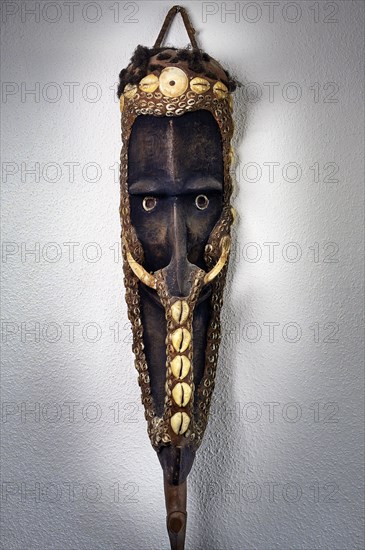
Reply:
x=280, y=466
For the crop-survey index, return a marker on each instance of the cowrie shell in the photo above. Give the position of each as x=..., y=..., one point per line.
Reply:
x=180, y=366
x=180, y=422
x=181, y=394
x=199, y=85
x=180, y=311
x=220, y=90
x=173, y=82
x=149, y=83
x=181, y=339
x=130, y=90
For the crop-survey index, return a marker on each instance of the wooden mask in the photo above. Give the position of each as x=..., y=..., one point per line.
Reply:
x=176, y=217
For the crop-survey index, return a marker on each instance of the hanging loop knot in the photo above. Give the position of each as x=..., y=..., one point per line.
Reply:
x=168, y=20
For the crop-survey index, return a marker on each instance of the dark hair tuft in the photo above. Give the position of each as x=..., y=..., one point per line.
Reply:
x=183, y=55
x=122, y=73
x=163, y=55
x=196, y=66
x=197, y=56
x=140, y=56
x=232, y=83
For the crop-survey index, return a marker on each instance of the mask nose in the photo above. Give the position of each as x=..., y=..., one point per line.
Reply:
x=178, y=274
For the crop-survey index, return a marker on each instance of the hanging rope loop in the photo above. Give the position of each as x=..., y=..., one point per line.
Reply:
x=168, y=20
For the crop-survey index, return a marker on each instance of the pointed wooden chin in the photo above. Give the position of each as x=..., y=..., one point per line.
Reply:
x=176, y=515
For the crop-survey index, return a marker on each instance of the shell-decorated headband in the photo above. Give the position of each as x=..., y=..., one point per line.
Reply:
x=165, y=81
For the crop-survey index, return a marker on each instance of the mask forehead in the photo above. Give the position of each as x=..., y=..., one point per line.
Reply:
x=173, y=155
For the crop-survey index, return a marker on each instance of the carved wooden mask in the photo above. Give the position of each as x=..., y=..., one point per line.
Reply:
x=176, y=218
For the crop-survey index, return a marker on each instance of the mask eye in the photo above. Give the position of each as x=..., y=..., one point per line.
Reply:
x=149, y=203
x=201, y=202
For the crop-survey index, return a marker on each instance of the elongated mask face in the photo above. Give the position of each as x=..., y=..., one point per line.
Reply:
x=175, y=183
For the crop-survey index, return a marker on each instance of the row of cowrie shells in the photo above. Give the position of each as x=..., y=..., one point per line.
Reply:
x=180, y=366
x=173, y=82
